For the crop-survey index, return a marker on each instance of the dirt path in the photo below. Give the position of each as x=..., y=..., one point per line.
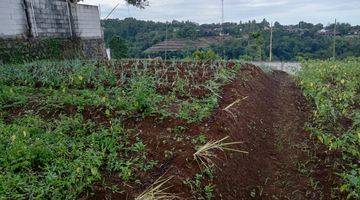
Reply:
x=300, y=170
x=270, y=122
x=289, y=141
x=268, y=117
x=283, y=162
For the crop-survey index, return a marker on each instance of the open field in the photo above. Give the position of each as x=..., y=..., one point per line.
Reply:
x=182, y=130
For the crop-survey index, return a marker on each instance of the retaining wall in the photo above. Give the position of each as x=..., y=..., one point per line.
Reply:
x=48, y=18
x=12, y=19
x=31, y=21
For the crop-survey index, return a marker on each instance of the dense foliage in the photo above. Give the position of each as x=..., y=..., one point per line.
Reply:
x=334, y=89
x=119, y=48
x=20, y=51
x=249, y=39
x=204, y=55
x=61, y=123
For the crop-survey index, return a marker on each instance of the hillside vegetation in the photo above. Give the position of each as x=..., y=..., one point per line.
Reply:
x=248, y=40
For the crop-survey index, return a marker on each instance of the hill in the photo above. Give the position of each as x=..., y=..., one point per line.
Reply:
x=250, y=39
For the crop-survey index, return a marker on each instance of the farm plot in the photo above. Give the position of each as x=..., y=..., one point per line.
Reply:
x=62, y=123
x=137, y=129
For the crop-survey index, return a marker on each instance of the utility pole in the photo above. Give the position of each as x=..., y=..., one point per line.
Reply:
x=334, y=42
x=222, y=14
x=166, y=38
x=222, y=29
x=271, y=41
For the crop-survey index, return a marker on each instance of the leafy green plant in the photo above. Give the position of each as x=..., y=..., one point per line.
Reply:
x=333, y=88
x=38, y=152
x=201, y=184
x=61, y=123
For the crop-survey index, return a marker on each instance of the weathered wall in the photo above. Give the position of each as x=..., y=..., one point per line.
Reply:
x=87, y=21
x=12, y=19
x=49, y=18
x=49, y=26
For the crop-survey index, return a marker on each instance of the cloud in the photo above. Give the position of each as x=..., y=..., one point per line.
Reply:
x=209, y=11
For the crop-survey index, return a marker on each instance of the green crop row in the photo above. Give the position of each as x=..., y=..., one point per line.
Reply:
x=60, y=159
x=52, y=149
x=334, y=89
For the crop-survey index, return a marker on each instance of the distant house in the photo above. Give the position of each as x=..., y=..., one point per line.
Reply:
x=325, y=32
x=291, y=30
x=354, y=31
x=295, y=29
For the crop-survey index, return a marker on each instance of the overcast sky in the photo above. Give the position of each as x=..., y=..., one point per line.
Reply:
x=209, y=11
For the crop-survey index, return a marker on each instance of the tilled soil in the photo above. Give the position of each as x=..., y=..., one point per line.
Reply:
x=268, y=116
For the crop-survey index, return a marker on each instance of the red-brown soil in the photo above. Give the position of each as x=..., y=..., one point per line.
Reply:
x=268, y=119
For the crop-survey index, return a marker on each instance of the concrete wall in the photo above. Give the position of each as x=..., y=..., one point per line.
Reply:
x=88, y=23
x=12, y=19
x=289, y=67
x=52, y=24
x=49, y=18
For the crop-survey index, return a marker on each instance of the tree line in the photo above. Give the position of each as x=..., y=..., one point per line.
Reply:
x=244, y=40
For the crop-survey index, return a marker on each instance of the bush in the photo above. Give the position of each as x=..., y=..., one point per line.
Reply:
x=119, y=48
x=205, y=55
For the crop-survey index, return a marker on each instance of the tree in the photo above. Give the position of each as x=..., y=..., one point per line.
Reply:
x=259, y=42
x=205, y=55
x=119, y=48
x=137, y=3
x=244, y=39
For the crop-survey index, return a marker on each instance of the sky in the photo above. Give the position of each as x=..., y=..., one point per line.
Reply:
x=209, y=11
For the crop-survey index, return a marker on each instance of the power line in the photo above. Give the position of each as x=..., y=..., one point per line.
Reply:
x=166, y=38
x=112, y=10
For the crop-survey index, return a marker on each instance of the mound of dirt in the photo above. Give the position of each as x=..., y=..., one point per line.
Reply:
x=266, y=112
